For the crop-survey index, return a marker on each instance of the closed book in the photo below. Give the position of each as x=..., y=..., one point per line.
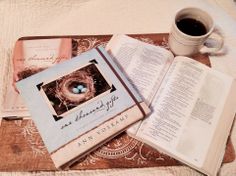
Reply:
x=80, y=104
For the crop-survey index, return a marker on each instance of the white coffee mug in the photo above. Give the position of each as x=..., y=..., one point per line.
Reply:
x=194, y=31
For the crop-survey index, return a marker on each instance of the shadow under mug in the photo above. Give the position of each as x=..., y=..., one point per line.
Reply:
x=194, y=31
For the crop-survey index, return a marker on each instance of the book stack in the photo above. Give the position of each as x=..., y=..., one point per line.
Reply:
x=82, y=97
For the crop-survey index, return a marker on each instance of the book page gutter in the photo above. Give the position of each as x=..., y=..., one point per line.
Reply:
x=144, y=64
x=185, y=112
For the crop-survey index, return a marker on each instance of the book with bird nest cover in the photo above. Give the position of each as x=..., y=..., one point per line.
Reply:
x=80, y=104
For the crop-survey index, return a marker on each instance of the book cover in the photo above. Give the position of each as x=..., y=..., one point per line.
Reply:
x=30, y=57
x=80, y=104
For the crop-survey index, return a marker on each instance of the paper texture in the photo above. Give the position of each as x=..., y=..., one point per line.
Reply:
x=188, y=104
x=188, y=94
x=145, y=64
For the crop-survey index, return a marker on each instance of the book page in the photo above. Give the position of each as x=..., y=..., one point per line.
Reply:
x=144, y=64
x=186, y=110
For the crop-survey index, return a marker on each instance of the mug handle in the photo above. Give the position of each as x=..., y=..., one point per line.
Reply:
x=213, y=43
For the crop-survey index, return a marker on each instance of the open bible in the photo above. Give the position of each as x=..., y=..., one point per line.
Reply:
x=193, y=105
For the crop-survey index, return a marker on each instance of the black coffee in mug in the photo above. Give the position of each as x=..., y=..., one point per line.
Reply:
x=191, y=26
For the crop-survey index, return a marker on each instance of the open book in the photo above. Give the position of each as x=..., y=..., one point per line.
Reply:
x=193, y=106
x=80, y=104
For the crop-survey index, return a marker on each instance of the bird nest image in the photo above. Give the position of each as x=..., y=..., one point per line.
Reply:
x=72, y=90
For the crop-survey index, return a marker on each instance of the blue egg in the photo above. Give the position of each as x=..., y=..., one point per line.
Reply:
x=80, y=87
x=84, y=90
x=75, y=90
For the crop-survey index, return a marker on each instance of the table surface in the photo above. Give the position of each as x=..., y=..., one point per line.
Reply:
x=71, y=17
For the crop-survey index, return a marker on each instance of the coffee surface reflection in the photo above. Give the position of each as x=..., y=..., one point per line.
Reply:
x=191, y=26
